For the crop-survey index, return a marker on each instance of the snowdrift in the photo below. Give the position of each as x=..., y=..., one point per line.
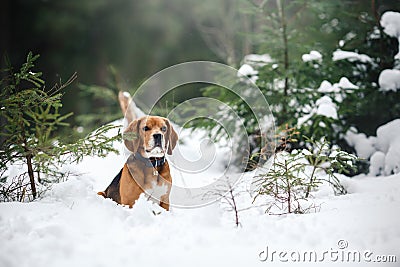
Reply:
x=72, y=226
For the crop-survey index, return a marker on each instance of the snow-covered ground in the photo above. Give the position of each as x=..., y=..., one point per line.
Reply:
x=72, y=226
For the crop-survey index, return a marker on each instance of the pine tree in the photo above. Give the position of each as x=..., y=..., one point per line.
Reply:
x=30, y=115
x=289, y=29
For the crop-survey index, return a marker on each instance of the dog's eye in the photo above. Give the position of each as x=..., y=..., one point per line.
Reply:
x=164, y=128
x=145, y=128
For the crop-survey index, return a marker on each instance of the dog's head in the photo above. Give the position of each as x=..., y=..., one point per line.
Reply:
x=151, y=136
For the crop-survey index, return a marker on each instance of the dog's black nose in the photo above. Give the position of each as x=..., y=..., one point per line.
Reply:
x=157, y=139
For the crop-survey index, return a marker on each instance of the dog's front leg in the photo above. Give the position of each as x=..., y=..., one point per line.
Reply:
x=164, y=201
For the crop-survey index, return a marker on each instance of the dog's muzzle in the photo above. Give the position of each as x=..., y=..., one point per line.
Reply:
x=156, y=146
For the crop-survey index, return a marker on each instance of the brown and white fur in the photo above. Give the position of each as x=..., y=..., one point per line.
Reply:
x=146, y=171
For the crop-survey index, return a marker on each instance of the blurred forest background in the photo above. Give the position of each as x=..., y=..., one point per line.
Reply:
x=118, y=44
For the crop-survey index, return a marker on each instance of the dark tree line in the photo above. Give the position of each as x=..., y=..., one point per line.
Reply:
x=121, y=42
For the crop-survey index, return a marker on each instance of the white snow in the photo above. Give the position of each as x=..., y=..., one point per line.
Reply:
x=246, y=70
x=257, y=60
x=364, y=146
x=326, y=107
x=389, y=80
x=392, y=158
x=325, y=87
x=72, y=226
x=351, y=56
x=313, y=55
x=382, y=149
x=375, y=34
x=387, y=135
x=390, y=21
x=377, y=163
x=323, y=106
x=388, y=142
x=344, y=83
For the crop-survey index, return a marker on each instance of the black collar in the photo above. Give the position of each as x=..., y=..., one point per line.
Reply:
x=150, y=162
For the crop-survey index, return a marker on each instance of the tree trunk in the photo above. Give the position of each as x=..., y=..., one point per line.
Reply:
x=31, y=176
x=285, y=51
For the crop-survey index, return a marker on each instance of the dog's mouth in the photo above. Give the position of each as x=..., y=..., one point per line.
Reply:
x=155, y=146
x=156, y=151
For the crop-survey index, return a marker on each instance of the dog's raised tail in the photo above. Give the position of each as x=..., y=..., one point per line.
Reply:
x=127, y=106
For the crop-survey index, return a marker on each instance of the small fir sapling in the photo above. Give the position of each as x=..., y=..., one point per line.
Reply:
x=30, y=118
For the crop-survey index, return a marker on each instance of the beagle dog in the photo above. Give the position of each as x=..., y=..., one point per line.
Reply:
x=146, y=170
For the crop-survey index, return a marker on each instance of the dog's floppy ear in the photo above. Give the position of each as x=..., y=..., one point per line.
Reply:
x=172, y=137
x=131, y=136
